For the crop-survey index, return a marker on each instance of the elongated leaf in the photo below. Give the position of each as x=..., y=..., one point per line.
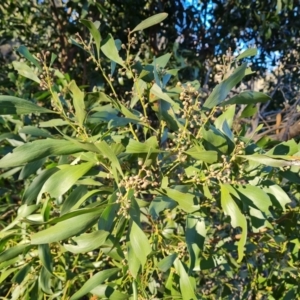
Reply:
x=46, y=257
x=108, y=292
x=221, y=91
x=186, y=287
x=25, y=52
x=87, y=242
x=10, y=105
x=106, y=151
x=277, y=194
x=24, y=70
x=38, y=149
x=110, y=50
x=35, y=131
x=231, y=209
x=195, y=236
x=66, y=228
x=45, y=281
x=78, y=101
x=93, y=27
x=254, y=196
x=73, y=198
x=272, y=160
x=165, y=264
x=247, y=53
x=21, y=274
x=247, y=97
x=140, y=243
x=64, y=179
x=93, y=282
x=156, y=19
x=31, y=193
x=134, y=263
x=202, y=155
x=138, y=147
x=14, y=251
x=158, y=92
x=53, y=123
x=184, y=200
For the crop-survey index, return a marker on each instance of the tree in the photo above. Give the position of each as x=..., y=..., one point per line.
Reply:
x=141, y=186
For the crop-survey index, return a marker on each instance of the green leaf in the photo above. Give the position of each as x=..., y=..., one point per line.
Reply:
x=87, y=242
x=247, y=97
x=46, y=257
x=231, y=209
x=138, y=147
x=93, y=27
x=64, y=179
x=110, y=50
x=158, y=92
x=134, y=263
x=35, y=131
x=184, y=200
x=276, y=161
x=53, y=123
x=24, y=70
x=66, y=228
x=21, y=274
x=93, y=282
x=106, y=151
x=45, y=281
x=32, y=191
x=31, y=168
x=195, y=237
x=10, y=105
x=221, y=91
x=186, y=286
x=78, y=101
x=165, y=264
x=108, y=292
x=276, y=193
x=38, y=149
x=156, y=19
x=254, y=196
x=247, y=53
x=140, y=243
x=202, y=155
x=14, y=251
x=24, y=51
x=73, y=198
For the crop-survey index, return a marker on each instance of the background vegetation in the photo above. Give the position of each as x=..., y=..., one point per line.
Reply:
x=140, y=158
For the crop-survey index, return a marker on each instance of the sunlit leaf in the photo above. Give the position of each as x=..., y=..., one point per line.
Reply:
x=158, y=18
x=221, y=91
x=64, y=179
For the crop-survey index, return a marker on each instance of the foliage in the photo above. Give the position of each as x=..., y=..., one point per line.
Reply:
x=149, y=193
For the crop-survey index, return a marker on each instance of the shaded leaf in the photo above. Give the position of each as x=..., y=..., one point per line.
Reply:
x=247, y=97
x=93, y=27
x=10, y=105
x=93, y=282
x=231, y=209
